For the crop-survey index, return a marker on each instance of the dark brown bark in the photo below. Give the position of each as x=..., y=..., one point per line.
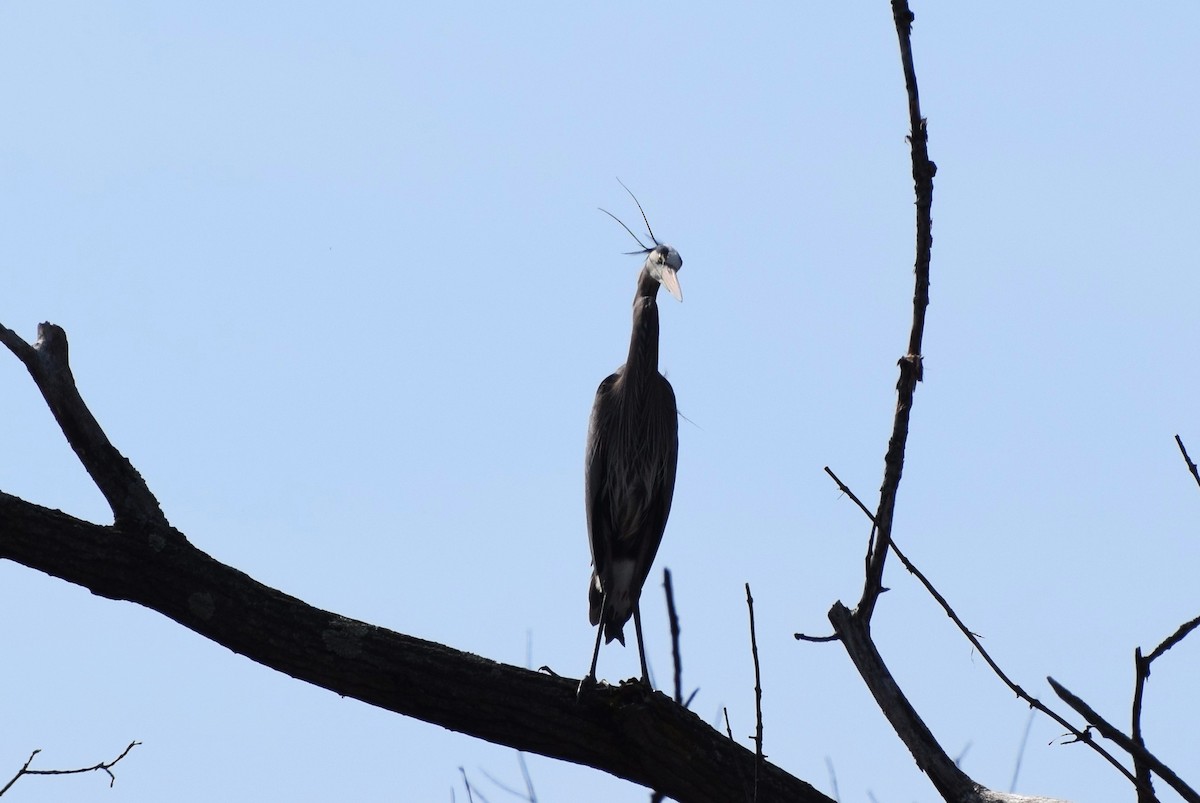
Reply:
x=628, y=732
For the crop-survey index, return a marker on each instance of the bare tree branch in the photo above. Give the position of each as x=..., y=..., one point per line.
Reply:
x=1191, y=466
x=105, y=766
x=1141, y=769
x=977, y=645
x=950, y=781
x=1108, y=731
x=1170, y=641
x=1141, y=675
x=1012, y=785
x=673, y=617
x=911, y=366
x=123, y=487
x=629, y=732
x=758, y=720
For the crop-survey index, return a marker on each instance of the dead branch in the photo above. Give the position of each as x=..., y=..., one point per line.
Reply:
x=1113, y=734
x=105, y=766
x=626, y=731
x=1141, y=674
x=123, y=487
x=758, y=720
x=977, y=645
x=911, y=364
x=1191, y=466
x=950, y=781
x=673, y=617
x=1141, y=769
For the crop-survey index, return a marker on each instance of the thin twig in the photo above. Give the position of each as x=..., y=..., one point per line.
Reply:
x=833, y=779
x=502, y=785
x=758, y=729
x=472, y=792
x=106, y=766
x=1124, y=742
x=467, y=784
x=911, y=364
x=528, y=795
x=1191, y=466
x=866, y=511
x=1173, y=639
x=673, y=617
x=729, y=733
x=1012, y=786
x=846, y=490
x=532, y=794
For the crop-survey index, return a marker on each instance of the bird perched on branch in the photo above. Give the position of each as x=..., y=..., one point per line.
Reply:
x=632, y=450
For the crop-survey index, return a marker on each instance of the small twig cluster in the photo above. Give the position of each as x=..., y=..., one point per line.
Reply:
x=104, y=766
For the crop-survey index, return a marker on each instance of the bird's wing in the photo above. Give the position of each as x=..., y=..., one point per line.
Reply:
x=655, y=522
x=595, y=469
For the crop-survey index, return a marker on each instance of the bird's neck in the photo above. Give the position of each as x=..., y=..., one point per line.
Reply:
x=643, y=342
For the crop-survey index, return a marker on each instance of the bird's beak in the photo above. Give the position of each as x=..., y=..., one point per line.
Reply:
x=671, y=282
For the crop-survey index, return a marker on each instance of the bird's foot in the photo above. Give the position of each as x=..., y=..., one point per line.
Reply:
x=642, y=681
x=586, y=687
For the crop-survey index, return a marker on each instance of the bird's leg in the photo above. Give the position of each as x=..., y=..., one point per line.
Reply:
x=637, y=626
x=589, y=679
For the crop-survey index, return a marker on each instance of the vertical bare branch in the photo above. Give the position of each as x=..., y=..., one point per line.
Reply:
x=758, y=729
x=911, y=369
x=1141, y=770
x=674, y=620
x=1141, y=665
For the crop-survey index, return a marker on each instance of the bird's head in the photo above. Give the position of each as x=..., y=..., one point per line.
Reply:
x=663, y=262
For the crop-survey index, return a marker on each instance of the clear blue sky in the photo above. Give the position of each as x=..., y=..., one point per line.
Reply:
x=335, y=282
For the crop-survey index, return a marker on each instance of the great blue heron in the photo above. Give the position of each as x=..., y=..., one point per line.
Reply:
x=632, y=450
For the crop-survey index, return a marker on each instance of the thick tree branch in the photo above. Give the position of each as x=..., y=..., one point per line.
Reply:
x=950, y=781
x=626, y=731
x=642, y=737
